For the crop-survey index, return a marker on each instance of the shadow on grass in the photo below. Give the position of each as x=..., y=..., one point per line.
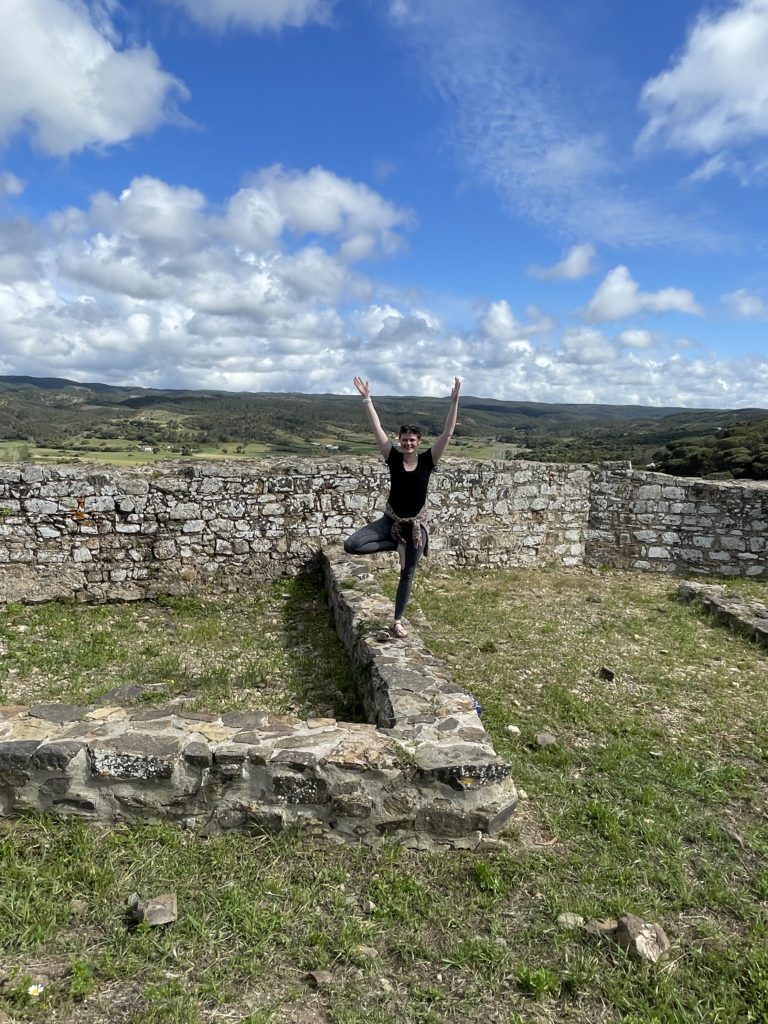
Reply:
x=322, y=679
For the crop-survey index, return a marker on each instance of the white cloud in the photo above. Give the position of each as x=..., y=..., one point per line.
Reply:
x=528, y=134
x=100, y=293
x=10, y=185
x=715, y=94
x=579, y=261
x=635, y=338
x=403, y=12
x=498, y=323
x=317, y=202
x=587, y=346
x=618, y=296
x=748, y=170
x=745, y=303
x=157, y=214
x=257, y=15
x=153, y=282
x=63, y=79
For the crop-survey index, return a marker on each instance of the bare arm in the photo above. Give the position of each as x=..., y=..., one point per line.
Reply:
x=450, y=422
x=385, y=445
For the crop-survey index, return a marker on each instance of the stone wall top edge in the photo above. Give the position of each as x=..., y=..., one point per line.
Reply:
x=698, y=482
x=238, y=467
x=308, y=465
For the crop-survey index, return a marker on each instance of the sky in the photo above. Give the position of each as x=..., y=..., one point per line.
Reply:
x=556, y=202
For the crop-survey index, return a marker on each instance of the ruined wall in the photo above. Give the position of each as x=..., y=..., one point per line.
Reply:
x=678, y=524
x=424, y=772
x=112, y=534
x=123, y=535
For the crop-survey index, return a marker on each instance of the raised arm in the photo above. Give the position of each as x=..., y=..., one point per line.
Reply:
x=385, y=445
x=450, y=422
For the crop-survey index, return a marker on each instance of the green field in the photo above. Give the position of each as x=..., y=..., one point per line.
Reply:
x=120, y=452
x=653, y=800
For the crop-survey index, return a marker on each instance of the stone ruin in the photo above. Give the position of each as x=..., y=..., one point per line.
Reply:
x=424, y=766
x=424, y=769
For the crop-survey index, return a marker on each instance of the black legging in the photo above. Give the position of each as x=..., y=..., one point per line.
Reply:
x=378, y=537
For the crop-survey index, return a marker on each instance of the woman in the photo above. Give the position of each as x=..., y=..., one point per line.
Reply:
x=403, y=525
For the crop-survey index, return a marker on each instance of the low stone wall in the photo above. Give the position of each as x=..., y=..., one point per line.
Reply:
x=425, y=772
x=740, y=613
x=650, y=521
x=114, y=535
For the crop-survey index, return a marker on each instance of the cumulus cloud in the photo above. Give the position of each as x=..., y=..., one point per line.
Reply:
x=64, y=79
x=715, y=94
x=317, y=202
x=587, y=346
x=744, y=303
x=618, y=296
x=10, y=185
x=257, y=15
x=579, y=261
x=151, y=287
x=499, y=323
x=636, y=338
x=155, y=278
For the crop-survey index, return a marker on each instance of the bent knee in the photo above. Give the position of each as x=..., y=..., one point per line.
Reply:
x=349, y=547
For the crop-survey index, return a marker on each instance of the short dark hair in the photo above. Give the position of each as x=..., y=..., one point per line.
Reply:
x=405, y=429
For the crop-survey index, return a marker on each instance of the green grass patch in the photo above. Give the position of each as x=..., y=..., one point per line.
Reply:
x=273, y=647
x=653, y=801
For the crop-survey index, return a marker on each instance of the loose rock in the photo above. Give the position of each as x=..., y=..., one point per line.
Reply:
x=569, y=921
x=545, y=739
x=732, y=834
x=158, y=910
x=366, y=952
x=643, y=940
x=320, y=979
x=605, y=929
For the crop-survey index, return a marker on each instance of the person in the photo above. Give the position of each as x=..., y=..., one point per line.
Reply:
x=403, y=527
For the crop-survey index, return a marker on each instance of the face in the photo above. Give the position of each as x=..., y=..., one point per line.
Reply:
x=409, y=443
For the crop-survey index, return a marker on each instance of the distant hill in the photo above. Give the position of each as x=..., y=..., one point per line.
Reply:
x=51, y=411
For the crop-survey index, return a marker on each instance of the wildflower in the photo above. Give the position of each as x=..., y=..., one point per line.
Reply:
x=35, y=991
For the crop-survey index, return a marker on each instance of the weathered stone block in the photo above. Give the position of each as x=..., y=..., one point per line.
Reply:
x=56, y=755
x=59, y=712
x=17, y=755
x=79, y=806
x=300, y=789
x=244, y=720
x=198, y=753
x=133, y=756
x=56, y=787
x=230, y=753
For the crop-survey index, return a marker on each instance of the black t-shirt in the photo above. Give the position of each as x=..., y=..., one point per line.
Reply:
x=408, y=488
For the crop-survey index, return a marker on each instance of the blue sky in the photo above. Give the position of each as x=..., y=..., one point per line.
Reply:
x=557, y=202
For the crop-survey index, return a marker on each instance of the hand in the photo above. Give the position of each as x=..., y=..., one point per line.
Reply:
x=362, y=387
x=456, y=389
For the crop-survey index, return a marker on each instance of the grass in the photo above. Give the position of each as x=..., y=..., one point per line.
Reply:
x=654, y=800
x=274, y=648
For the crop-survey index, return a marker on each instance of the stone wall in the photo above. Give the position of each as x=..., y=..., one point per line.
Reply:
x=113, y=534
x=124, y=535
x=651, y=521
x=423, y=772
